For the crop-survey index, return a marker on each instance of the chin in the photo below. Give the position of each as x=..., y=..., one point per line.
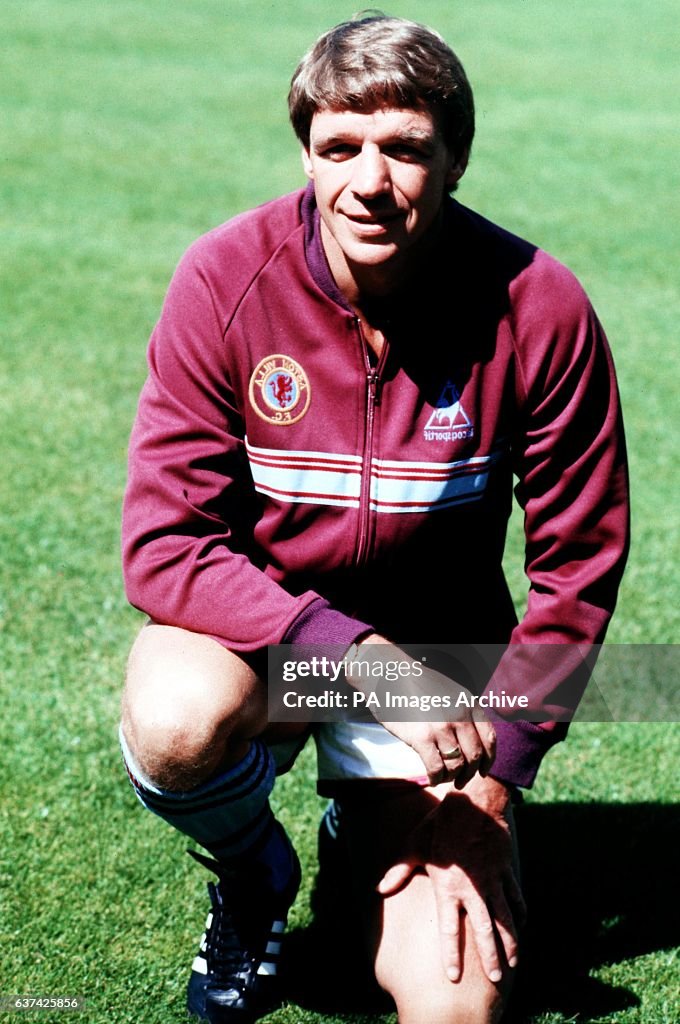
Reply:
x=372, y=254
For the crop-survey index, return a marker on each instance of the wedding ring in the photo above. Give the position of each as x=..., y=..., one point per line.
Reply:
x=450, y=755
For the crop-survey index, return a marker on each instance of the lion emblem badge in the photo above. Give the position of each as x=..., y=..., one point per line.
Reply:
x=279, y=390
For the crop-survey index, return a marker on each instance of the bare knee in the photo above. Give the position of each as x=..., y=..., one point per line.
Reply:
x=189, y=706
x=176, y=744
x=408, y=964
x=470, y=1004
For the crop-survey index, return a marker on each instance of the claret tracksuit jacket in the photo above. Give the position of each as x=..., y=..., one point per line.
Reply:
x=286, y=486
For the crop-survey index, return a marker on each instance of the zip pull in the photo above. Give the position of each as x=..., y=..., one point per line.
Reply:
x=374, y=386
x=373, y=370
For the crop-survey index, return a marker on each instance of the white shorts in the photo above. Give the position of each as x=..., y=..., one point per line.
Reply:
x=355, y=750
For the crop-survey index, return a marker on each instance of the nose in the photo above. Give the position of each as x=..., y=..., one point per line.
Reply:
x=371, y=176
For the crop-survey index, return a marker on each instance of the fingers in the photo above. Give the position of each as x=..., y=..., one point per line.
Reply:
x=466, y=748
x=478, y=742
x=506, y=929
x=437, y=747
x=442, y=757
x=396, y=877
x=449, y=917
x=450, y=751
x=486, y=932
x=447, y=769
x=487, y=736
x=495, y=927
x=484, y=936
x=471, y=749
x=461, y=751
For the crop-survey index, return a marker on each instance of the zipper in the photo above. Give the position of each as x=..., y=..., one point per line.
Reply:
x=373, y=387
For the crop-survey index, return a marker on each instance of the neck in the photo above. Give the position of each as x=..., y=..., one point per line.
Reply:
x=360, y=282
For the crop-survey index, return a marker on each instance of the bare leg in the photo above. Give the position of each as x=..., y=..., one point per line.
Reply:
x=408, y=965
x=190, y=706
x=403, y=929
x=194, y=725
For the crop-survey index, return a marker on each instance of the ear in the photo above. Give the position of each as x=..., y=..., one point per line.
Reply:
x=307, y=163
x=457, y=170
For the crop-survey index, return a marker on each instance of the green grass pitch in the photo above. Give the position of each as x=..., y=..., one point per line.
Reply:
x=127, y=129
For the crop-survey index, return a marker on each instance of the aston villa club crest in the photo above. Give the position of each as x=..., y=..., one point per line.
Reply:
x=279, y=390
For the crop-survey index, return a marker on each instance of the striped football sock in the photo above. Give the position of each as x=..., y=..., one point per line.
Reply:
x=229, y=814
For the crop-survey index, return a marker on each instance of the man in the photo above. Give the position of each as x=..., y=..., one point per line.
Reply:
x=342, y=384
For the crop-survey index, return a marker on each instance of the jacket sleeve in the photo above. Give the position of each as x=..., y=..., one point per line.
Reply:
x=189, y=507
x=570, y=460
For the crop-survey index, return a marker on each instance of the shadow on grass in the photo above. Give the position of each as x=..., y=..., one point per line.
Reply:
x=600, y=882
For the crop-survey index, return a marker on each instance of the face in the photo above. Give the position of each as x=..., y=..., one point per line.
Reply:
x=380, y=179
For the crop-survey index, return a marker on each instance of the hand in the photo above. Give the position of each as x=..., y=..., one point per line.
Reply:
x=465, y=847
x=452, y=750
x=472, y=743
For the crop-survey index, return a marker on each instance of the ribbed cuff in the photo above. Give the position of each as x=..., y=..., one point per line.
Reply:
x=520, y=748
x=322, y=626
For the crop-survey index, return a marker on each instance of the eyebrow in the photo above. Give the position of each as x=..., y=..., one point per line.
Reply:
x=408, y=135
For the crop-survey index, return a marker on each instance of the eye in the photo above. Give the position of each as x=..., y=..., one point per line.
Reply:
x=408, y=152
x=338, y=151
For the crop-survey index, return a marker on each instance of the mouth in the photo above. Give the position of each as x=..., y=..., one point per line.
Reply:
x=373, y=224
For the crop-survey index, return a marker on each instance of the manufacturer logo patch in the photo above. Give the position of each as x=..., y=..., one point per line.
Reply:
x=449, y=421
x=279, y=390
